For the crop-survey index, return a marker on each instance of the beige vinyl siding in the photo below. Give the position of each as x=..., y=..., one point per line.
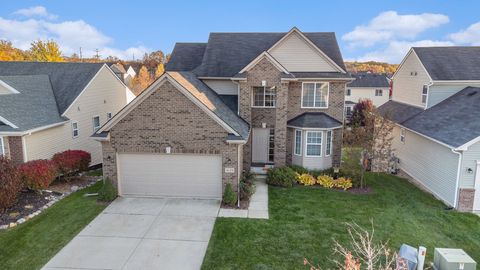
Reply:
x=104, y=94
x=408, y=88
x=469, y=160
x=223, y=87
x=296, y=55
x=439, y=91
x=431, y=164
x=368, y=92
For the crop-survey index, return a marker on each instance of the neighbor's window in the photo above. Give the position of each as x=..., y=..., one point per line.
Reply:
x=402, y=135
x=74, y=129
x=109, y=115
x=378, y=92
x=264, y=96
x=2, y=147
x=349, y=92
x=314, y=143
x=424, y=94
x=328, y=150
x=348, y=110
x=315, y=95
x=96, y=123
x=298, y=143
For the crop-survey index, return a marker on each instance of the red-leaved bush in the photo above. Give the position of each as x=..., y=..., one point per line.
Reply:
x=72, y=161
x=38, y=174
x=10, y=183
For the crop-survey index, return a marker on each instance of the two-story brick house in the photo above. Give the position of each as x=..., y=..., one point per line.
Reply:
x=435, y=101
x=239, y=101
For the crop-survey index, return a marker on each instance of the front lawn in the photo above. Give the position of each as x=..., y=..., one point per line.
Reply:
x=304, y=220
x=32, y=244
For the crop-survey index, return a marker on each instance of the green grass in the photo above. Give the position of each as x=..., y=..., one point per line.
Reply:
x=305, y=220
x=96, y=172
x=32, y=244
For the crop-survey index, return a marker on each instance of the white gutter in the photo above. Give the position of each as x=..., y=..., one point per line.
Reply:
x=457, y=183
x=28, y=132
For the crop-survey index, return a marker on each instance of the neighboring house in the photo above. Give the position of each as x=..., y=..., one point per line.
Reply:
x=375, y=87
x=435, y=103
x=241, y=101
x=47, y=108
x=124, y=74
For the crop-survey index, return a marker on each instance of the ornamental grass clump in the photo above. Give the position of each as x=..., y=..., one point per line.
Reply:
x=326, y=181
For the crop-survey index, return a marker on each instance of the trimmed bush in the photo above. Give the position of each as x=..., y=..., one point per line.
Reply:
x=38, y=174
x=10, y=183
x=299, y=169
x=229, y=196
x=107, y=192
x=326, y=181
x=71, y=161
x=306, y=179
x=282, y=177
x=247, y=186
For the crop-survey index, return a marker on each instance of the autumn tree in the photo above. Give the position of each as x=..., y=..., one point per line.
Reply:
x=360, y=110
x=10, y=53
x=141, y=81
x=153, y=59
x=371, y=66
x=159, y=70
x=45, y=51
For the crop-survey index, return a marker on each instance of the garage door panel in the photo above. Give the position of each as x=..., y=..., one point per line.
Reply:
x=170, y=175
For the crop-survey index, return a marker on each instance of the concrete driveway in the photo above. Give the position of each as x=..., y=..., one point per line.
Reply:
x=142, y=233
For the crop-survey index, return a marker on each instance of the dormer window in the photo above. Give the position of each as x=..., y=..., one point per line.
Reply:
x=315, y=95
x=264, y=97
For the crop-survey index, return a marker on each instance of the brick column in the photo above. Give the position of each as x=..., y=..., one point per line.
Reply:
x=245, y=111
x=15, y=147
x=280, y=151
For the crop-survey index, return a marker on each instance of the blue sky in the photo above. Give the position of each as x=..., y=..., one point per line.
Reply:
x=380, y=30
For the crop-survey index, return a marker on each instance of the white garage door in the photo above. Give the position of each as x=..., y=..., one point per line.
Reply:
x=198, y=176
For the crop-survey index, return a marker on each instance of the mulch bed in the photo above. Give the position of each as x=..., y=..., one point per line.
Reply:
x=243, y=205
x=66, y=185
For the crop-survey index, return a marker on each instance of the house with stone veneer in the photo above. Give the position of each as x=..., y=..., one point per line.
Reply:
x=46, y=108
x=435, y=106
x=241, y=101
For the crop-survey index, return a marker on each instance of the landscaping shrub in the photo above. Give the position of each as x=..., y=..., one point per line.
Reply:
x=282, y=177
x=229, y=196
x=306, y=179
x=343, y=183
x=10, y=183
x=107, y=192
x=247, y=186
x=72, y=161
x=38, y=174
x=325, y=181
x=299, y=169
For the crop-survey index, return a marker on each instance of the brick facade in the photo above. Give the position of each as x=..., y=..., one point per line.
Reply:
x=15, y=149
x=167, y=118
x=466, y=197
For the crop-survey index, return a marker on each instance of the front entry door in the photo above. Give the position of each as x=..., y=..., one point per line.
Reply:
x=260, y=144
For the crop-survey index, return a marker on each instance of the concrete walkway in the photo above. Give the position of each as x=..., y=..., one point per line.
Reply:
x=143, y=233
x=258, y=207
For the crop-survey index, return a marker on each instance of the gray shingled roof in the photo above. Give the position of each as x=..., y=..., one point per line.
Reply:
x=212, y=101
x=227, y=53
x=314, y=120
x=450, y=63
x=33, y=107
x=307, y=75
x=454, y=121
x=398, y=112
x=369, y=80
x=67, y=79
x=186, y=56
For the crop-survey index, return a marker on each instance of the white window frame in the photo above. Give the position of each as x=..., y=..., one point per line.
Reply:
x=315, y=95
x=402, y=135
x=307, y=143
x=2, y=148
x=328, y=143
x=93, y=123
x=109, y=115
x=348, y=92
x=295, y=143
x=425, y=95
x=75, y=129
x=379, y=91
x=264, y=95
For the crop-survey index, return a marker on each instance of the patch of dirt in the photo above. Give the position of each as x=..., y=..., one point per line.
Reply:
x=366, y=190
x=243, y=205
x=64, y=185
x=27, y=203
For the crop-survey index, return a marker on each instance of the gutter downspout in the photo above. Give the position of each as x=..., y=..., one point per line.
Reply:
x=460, y=157
x=238, y=174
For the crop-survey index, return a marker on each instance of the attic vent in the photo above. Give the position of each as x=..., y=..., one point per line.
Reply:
x=472, y=93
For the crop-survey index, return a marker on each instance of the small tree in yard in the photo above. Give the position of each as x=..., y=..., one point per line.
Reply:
x=360, y=111
x=369, y=144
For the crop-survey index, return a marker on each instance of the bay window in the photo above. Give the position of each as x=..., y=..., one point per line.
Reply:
x=298, y=143
x=315, y=95
x=328, y=150
x=314, y=143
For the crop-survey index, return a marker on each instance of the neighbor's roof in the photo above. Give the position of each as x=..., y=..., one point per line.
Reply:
x=450, y=63
x=226, y=54
x=369, y=80
x=118, y=68
x=211, y=100
x=67, y=79
x=33, y=107
x=398, y=112
x=454, y=121
x=186, y=56
x=314, y=120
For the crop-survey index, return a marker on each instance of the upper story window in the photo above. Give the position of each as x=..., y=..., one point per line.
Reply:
x=2, y=147
x=96, y=123
x=264, y=97
x=314, y=143
x=298, y=143
x=378, y=92
x=348, y=110
x=328, y=145
x=74, y=130
x=424, y=94
x=402, y=135
x=348, y=92
x=315, y=95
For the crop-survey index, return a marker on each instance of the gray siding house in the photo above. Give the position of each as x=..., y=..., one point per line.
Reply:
x=435, y=103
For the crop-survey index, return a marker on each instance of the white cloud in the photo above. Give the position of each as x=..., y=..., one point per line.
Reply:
x=390, y=25
x=396, y=50
x=471, y=35
x=70, y=36
x=37, y=11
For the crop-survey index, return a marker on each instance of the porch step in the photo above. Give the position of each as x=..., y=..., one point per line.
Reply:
x=260, y=170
